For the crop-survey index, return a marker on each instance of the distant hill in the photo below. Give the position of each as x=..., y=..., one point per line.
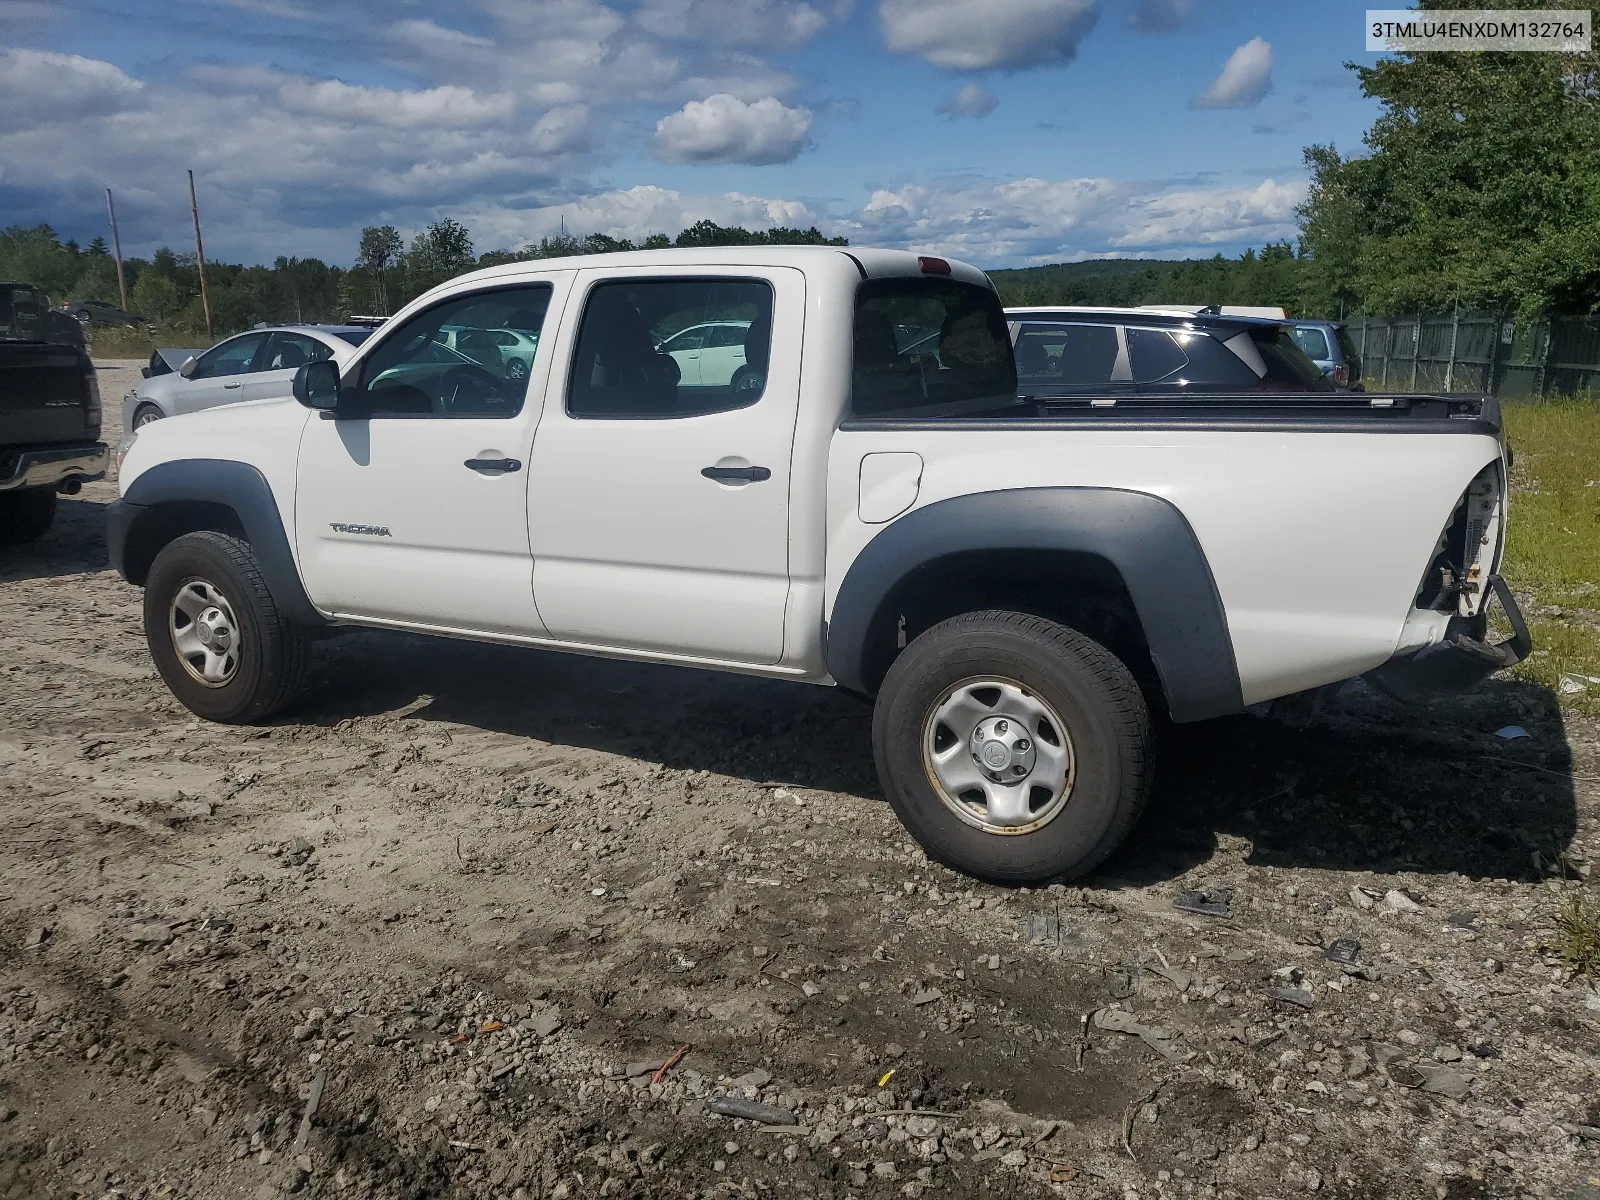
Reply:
x=1273, y=275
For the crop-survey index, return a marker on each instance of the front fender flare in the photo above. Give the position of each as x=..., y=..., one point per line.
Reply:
x=1146, y=538
x=234, y=485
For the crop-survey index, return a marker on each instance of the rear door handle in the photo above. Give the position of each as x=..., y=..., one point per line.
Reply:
x=239, y=383
x=494, y=466
x=730, y=474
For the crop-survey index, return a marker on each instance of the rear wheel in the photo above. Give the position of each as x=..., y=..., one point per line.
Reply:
x=1013, y=748
x=215, y=634
x=26, y=514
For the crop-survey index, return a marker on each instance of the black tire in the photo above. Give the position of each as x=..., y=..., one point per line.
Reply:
x=26, y=515
x=272, y=651
x=145, y=414
x=1098, y=702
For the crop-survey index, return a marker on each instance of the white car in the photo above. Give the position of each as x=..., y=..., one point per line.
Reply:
x=506, y=352
x=709, y=355
x=1016, y=586
x=257, y=365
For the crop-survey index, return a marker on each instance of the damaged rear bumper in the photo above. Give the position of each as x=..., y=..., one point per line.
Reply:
x=1460, y=661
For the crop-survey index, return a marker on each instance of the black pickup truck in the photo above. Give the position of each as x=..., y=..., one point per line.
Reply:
x=49, y=415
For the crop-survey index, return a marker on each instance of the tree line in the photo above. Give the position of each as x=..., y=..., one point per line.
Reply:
x=387, y=273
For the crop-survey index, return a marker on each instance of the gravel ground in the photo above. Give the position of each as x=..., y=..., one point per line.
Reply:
x=438, y=931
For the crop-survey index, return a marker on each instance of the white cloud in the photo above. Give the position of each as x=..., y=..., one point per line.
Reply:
x=723, y=128
x=636, y=213
x=1245, y=80
x=37, y=86
x=974, y=100
x=449, y=107
x=770, y=25
x=1159, y=16
x=979, y=35
x=1037, y=220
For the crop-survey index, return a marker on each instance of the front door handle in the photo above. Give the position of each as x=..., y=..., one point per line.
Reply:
x=237, y=383
x=730, y=474
x=494, y=466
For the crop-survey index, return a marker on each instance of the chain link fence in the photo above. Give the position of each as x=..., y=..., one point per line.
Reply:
x=1479, y=352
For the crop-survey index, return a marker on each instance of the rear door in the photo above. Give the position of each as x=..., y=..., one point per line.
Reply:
x=658, y=509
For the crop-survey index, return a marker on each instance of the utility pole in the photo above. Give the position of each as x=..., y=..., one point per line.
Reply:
x=200, y=255
x=116, y=248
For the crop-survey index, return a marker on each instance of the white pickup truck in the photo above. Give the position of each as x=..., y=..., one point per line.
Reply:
x=865, y=503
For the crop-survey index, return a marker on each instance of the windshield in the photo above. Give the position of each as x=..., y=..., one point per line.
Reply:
x=354, y=336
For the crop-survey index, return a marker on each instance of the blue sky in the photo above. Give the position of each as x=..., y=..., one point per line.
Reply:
x=1002, y=131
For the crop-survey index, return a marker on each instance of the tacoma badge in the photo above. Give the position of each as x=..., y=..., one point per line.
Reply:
x=368, y=530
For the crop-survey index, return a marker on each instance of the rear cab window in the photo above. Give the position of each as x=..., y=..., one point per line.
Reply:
x=1312, y=340
x=930, y=347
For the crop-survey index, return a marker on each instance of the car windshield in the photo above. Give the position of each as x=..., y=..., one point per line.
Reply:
x=354, y=336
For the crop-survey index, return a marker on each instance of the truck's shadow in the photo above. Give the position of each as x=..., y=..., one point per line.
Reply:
x=1370, y=786
x=75, y=544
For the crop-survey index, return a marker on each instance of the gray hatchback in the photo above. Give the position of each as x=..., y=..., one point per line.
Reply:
x=1329, y=345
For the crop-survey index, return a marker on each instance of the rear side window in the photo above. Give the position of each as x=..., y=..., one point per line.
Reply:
x=1056, y=359
x=1313, y=341
x=1155, y=355
x=1346, y=342
x=930, y=347
x=1193, y=361
x=643, y=348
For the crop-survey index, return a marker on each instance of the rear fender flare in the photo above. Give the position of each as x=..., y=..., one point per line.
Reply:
x=1146, y=538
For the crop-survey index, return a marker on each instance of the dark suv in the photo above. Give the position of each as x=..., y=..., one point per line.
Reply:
x=1062, y=352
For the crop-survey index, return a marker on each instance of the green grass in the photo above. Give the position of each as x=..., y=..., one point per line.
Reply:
x=1579, y=940
x=1553, y=544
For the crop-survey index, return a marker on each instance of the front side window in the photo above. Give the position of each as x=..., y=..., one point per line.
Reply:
x=232, y=357
x=1062, y=358
x=1313, y=341
x=290, y=351
x=641, y=348
x=448, y=361
x=930, y=347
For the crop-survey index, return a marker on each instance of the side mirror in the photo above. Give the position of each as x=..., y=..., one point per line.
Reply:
x=189, y=364
x=316, y=384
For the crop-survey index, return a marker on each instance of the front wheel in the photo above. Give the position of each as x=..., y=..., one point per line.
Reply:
x=1014, y=749
x=144, y=415
x=215, y=633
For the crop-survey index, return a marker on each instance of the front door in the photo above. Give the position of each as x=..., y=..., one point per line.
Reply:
x=412, y=503
x=218, y=376
x=658, y=502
